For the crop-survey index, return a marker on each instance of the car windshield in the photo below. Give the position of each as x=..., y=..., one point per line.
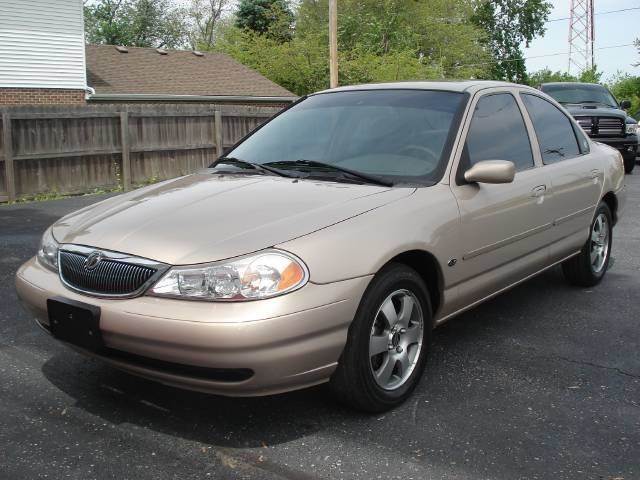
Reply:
x=399, y=135
x=568, y=93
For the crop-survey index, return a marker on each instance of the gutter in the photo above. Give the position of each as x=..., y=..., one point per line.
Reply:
x=154, y=97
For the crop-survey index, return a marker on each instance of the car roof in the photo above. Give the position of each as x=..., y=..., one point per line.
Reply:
x=470, y=86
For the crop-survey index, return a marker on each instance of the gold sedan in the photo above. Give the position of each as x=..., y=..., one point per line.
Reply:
x=327, y=245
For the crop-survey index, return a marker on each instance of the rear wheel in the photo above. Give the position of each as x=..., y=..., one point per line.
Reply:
x=387, y=344
x=587, y=268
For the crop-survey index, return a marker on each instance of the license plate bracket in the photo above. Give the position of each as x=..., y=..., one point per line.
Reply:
x=75, y=322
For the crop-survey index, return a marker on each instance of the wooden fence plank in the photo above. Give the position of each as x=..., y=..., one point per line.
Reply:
x=84, y=153
x=7, y=142
x=126, y=159
x=217, y=128
x=171, y=148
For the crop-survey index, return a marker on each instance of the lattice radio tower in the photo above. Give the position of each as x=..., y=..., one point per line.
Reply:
x=581, y=35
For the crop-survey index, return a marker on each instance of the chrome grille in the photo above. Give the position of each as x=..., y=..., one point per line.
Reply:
x=586, y=123
x=114, y=275
x=610, y=126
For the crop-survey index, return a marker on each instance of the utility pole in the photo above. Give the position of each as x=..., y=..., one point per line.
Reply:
x=333, y=43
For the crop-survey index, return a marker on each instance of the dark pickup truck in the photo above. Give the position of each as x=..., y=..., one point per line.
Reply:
x=598, y=113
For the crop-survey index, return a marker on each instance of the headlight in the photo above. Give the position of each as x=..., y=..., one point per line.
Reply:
x=632, y=128
x=48, y=251
x=261, y=275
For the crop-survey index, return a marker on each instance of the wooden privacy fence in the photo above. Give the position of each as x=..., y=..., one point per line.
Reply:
x=81, y=149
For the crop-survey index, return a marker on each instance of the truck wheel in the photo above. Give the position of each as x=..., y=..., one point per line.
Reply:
x=387, y=343
x=588, y=267
x=629, y=162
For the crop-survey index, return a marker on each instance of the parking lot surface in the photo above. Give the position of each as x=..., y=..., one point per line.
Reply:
x=542, y=382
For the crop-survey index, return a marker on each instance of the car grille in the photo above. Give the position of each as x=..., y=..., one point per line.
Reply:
x=586, y=123
x=110, y=277
x=609, y=126
x=602, y=126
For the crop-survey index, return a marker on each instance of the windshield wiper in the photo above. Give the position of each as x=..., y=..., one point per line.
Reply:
x=315, y=165
x=237, y=162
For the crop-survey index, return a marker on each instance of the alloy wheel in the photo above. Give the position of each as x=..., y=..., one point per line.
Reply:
x=396, y=337
x=599, y=243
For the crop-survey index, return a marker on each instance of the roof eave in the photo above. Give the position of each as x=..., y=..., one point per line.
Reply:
x=154, y=97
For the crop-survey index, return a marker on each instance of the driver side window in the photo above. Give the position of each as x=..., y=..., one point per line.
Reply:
x=497, y=132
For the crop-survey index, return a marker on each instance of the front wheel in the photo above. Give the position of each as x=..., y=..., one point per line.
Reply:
x=387, y=344
x=589, y=266
x=629, y=162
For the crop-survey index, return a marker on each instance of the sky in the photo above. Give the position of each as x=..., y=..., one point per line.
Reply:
x=610, y=29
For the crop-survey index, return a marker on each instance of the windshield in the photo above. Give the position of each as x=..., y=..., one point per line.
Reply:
x=596, y=94
x=400, y=134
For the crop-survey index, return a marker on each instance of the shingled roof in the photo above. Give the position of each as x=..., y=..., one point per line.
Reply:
x=111, y=70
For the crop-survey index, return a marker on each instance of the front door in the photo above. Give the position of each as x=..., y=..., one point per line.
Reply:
x=506, y=228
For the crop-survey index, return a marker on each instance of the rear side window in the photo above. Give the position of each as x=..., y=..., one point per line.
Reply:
x=497, y=132
x=554, y=130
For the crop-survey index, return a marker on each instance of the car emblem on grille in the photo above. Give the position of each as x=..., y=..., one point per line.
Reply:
x=92, y=260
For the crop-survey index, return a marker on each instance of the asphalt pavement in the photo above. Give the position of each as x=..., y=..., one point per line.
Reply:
x=542, y=382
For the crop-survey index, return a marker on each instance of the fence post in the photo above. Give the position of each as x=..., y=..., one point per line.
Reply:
x=126, y=160
x=217, y=127
x=7, y=141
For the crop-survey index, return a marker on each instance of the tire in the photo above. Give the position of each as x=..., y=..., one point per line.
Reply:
x=583, y=269
x=403, y=354
x=629, y=162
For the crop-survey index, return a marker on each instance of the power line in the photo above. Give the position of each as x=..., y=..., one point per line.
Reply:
x=595, y=13
x=557, y=54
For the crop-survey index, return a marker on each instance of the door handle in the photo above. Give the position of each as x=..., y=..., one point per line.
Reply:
x=594, y=174
x=538, y=191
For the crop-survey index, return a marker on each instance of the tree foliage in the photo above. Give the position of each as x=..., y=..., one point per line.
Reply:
x=204, y=17
x=626, y=87
x=138, y=23
x=546, y=76
x=270, y=17
x=590, y=75
x=508, y=24
x=381, y=40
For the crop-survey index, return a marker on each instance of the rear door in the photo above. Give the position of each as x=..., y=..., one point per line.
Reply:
x=575, y=174
x=505, y=227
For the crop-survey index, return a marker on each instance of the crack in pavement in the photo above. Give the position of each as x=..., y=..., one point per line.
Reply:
x=596, y=365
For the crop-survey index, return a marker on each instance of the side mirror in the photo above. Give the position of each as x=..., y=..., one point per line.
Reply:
x=491, y=171
x=625, y=104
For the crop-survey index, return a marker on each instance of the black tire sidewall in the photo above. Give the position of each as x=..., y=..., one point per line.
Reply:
x=388, y=280
x=629, y=162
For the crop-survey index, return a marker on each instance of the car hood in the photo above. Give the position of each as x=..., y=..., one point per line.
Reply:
x=593, y=111
x=207, y=217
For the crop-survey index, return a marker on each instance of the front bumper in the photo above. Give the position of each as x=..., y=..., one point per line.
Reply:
x=287, y=342
x=627, y=145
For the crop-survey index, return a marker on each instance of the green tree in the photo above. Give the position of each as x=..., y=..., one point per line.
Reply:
x=271, y=17
x=204, y=17
x=590, y=75
x=378, y=40
x=509, y=23
x=438, y=32
x=546, y=75
x=138, y=23
x=626, y=87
